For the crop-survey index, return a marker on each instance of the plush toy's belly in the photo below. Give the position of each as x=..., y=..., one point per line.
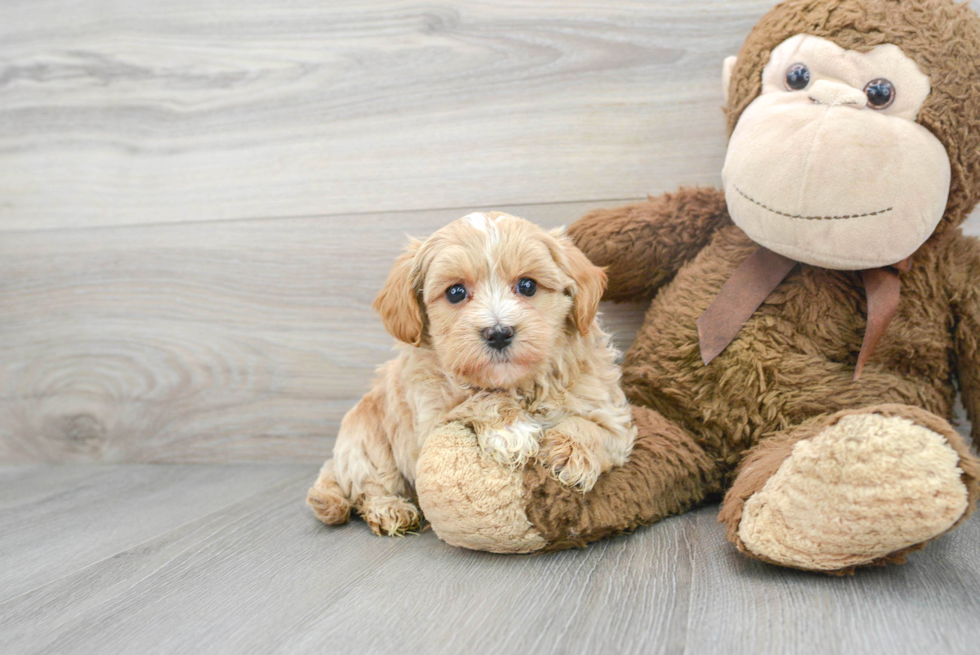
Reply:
x=795, y=357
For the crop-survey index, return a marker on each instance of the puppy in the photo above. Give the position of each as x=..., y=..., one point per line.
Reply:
x=496, y=320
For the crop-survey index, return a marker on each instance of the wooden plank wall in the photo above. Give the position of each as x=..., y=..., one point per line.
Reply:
x=199, y=200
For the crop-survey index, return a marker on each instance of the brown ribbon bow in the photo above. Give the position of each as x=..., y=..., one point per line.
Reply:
x=760, y=274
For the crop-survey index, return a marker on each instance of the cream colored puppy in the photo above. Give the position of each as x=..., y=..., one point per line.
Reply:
x=496, y=320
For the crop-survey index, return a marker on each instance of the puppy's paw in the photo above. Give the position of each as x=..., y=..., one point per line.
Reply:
x=512, y=445
x=329, y=503
x=571, y=462
x=390, y=515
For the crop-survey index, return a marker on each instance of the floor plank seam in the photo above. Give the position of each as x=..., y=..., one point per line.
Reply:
x=301, y=217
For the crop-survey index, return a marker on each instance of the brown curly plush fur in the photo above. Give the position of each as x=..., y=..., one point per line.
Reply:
x=667, y=474
x=790, y=370
x=963, y=266
x=780, y=404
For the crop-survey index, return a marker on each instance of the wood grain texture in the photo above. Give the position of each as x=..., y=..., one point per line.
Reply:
x=213, y=342
x=261, y=575
x=57, y=520
x=220, y=341
x=125, y=113
x=928, y=605
x=181, y=279
x=264, y=576
x=198, y=202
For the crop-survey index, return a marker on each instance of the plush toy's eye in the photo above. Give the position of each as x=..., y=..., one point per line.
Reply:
x=880, y=92
x=798, y=77
x=527, y=287
x=456, y=294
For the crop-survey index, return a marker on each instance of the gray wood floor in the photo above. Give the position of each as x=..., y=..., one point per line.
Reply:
x=226, y=559
x=199, y=200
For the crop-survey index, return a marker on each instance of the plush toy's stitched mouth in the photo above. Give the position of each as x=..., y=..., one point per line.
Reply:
x=810, y=218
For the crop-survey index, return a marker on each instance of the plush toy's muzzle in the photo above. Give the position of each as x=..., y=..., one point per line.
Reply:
x=820, y=175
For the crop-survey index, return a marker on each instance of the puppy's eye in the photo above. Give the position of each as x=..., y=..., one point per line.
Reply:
x=527, y=287
x=456, y=294
x=798, y=77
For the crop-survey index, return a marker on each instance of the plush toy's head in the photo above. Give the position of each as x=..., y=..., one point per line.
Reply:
x=855, y=128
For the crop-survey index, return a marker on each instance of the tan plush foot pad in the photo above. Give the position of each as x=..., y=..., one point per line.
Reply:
x=470, y=499
x=866, y=487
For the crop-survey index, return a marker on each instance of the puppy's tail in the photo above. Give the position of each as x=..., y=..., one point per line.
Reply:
x=327, y=499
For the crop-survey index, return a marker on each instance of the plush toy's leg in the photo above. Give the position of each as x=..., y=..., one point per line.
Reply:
x=859, y=487
x=667, y=473
x=473, y=502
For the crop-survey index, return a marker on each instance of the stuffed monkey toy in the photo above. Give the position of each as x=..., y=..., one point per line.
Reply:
x=809, y=324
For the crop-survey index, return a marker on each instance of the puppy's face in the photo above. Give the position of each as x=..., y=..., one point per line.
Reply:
x=494, y=296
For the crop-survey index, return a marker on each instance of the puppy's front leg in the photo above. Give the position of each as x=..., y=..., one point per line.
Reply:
x=503, y=429
x=578, y=451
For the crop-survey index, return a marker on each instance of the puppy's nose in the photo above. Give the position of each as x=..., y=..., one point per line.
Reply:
x=498, y=337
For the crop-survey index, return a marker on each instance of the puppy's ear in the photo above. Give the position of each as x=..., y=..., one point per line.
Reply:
x=398, y=301
x=590, y=282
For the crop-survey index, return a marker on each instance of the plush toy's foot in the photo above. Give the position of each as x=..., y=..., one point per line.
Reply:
x=469, y=498
x=860, y=487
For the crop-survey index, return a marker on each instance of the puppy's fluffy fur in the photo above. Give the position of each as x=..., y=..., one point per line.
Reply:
x=553, y=393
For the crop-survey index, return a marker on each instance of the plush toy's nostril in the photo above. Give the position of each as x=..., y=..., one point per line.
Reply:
x=498, y=337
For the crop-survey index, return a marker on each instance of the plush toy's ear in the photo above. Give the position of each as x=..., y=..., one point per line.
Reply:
x=726, y=75
x=590, y=281
x=398, y=302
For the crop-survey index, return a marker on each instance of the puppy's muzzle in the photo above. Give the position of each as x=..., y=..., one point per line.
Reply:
x=498, y=337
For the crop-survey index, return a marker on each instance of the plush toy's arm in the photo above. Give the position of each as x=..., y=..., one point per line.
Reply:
x=472, y=501
x=643, y=245
x=965, y=294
